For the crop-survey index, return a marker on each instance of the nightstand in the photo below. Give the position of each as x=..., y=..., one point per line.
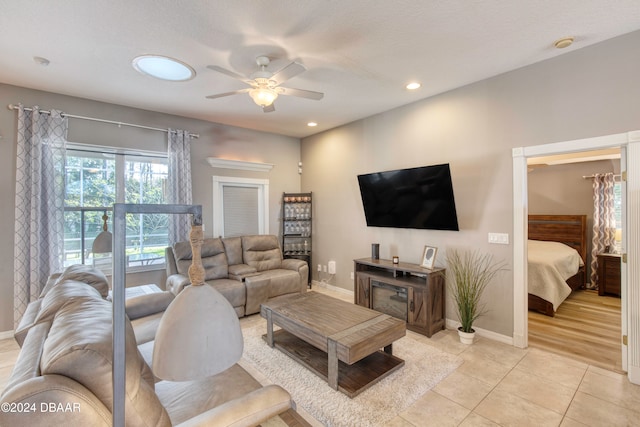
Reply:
x=609, y=274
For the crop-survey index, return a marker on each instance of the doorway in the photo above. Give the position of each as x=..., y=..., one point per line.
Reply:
x=630, y=144
x=586, y=326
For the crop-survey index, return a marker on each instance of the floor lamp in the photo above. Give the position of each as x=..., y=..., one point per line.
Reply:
x=197, y=315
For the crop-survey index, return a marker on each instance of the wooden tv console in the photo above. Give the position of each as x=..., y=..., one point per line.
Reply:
x=422, y=288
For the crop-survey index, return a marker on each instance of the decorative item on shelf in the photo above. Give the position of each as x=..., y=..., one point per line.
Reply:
x=375, y=251
x=396, y=260
x=470, y=272
x=429, y=257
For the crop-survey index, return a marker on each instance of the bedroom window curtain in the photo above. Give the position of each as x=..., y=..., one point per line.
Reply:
x=604, y=221
x=39, y=208
x=179, y=182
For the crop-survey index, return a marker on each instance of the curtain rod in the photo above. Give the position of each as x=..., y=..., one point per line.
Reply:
x=73, y=116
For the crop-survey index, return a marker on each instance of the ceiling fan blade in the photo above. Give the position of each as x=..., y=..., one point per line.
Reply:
x=220, y=95
x=309, y=94
x=229, y=73
x=288, y=71
x=269, y=109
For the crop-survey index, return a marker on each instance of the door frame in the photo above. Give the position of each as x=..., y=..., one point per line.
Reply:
x=630, y=272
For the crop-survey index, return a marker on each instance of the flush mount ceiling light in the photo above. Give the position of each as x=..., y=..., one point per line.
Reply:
x=163, y=67
x=312, y=124
x=563, y=42
x=413, y=86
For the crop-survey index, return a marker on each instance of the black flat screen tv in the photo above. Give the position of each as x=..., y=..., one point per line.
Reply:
x=419, y=198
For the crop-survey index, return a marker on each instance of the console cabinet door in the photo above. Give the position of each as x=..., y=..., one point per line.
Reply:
x=417, y=313
x=363, y=293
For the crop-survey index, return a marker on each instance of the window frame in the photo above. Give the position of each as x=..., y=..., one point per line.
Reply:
x=121, y=156
x=262, y=185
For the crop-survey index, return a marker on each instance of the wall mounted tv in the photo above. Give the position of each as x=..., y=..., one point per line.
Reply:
x=419, y=197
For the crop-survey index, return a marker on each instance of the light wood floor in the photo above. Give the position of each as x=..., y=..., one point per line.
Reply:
x=586, y=327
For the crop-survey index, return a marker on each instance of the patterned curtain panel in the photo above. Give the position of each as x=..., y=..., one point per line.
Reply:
x=604, y=221
x=39, y=222
x=179, y=182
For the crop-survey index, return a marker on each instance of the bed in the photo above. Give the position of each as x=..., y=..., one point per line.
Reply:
x=555, y=270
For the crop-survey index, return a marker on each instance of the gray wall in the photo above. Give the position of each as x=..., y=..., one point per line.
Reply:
x=585, y=93
x=215, y=141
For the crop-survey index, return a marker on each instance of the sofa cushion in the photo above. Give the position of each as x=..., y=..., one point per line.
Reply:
x=79, y=346
x=81, y=273
x=233, y=248
x=282, y=281
x=61, y=294
x=261, y=252
x=186, y=399
x=214, y=259
x=233, y=290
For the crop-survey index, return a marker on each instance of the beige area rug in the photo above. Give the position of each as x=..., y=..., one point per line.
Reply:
x=424, y=367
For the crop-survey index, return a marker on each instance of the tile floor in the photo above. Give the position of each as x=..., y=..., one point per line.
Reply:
x=497, y=385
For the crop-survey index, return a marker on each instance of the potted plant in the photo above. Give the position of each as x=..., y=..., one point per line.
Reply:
x=469, y=274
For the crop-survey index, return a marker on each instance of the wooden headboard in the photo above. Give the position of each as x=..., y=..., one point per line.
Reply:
x=568, y=229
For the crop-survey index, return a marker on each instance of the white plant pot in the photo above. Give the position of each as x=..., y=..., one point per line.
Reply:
x=466, y=337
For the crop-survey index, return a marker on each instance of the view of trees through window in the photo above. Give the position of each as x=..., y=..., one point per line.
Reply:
x=94, y=182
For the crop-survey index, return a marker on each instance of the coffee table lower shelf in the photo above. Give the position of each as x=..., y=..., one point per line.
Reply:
x=352, y=379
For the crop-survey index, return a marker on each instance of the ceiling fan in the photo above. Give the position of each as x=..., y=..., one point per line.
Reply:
x=265, y=85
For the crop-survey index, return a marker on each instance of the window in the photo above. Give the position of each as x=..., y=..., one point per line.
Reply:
x=617, y=203
x=97, y=180
x=240, y=206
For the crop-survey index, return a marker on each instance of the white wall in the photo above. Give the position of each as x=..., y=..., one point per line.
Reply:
x=588, y=92
x=215, y=141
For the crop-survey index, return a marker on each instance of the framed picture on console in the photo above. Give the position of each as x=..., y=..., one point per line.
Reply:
x=429, y=257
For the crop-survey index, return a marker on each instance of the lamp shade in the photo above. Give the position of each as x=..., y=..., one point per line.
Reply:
x=263, y=96
x=103, y=243
x=199, y=336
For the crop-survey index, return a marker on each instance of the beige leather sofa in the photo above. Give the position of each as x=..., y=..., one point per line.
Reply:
x=247, y=270
x=63, y=372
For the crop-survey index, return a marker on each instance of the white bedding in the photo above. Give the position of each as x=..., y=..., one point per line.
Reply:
x=550, y=265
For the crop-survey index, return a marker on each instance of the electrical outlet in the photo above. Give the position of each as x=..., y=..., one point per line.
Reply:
x=332, y=267
x=319, y=267
x=499, y=238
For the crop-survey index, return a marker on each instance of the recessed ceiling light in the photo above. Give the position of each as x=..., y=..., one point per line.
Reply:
x=563, y=42
x=413, y=86
x=312, y=124
x=163, y=67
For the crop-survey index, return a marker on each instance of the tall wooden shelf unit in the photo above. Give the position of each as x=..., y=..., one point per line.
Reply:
x=297, y=226
x=384, y=286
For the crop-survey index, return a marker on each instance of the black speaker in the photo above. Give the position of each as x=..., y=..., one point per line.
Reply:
x=375, y=250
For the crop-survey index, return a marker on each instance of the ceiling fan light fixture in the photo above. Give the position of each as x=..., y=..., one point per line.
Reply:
x=163, y=68
x=263, y=96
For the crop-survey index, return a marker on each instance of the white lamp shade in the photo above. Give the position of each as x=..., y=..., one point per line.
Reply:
x=102, y=243
x=263, y=96
x=199, y=336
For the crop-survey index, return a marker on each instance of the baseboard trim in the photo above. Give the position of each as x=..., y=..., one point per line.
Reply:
x=633, y=373
x=452, y=324
x=331, y=287
x=6, y=334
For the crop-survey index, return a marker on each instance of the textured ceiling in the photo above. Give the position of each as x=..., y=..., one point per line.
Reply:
x=360, y=53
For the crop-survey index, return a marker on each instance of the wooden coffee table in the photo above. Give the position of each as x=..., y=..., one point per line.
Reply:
x=337, y=340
